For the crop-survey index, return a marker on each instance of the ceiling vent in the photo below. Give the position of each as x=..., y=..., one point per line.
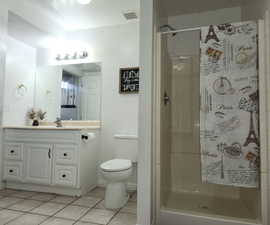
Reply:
x=131, y=15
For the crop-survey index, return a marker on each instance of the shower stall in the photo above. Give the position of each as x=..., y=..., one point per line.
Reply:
x=182, y=197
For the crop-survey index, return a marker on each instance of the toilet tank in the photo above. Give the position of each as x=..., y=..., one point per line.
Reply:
x=126, y=147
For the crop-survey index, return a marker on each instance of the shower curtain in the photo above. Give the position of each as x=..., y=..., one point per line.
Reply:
x=229, y=131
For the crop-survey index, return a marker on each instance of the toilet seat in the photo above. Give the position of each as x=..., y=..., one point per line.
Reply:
x=116, y=165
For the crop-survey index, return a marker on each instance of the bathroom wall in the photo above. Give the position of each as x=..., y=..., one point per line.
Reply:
x=3, y=32
x=114, y=47
x=20, y=70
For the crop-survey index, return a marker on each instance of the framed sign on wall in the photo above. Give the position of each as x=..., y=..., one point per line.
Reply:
x=129, y=80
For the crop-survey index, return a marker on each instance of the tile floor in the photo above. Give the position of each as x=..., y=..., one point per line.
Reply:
x=33, y=208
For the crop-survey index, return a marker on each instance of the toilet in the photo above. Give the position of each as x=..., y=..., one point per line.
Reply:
x=116, y=172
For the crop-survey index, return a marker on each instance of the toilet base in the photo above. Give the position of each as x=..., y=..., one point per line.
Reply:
x=116, y=195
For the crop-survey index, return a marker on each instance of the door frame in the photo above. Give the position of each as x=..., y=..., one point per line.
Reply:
x=264, y=84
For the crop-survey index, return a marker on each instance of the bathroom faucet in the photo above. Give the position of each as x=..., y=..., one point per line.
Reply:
x=58, y=122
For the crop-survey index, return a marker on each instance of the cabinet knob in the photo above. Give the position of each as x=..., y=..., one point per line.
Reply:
x=12, y=151
x=65, y=154
x=64, y=175
x=11, y=171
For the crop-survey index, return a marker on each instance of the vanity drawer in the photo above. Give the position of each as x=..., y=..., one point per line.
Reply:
x=65, y=175
x=66, y=154
x=13, y=151
x=13, y=171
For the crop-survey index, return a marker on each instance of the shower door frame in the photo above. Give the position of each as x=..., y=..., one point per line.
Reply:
x=264, y=84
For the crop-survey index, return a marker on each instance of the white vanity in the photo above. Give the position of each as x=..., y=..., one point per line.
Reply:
x=50, y=159
x=47, y=158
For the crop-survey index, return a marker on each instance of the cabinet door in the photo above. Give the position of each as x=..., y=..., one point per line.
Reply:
x=38, y=163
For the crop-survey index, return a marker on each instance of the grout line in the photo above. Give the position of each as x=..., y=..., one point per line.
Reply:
x=93, y=207
x=71, y=204
x=48, y=217
x=114, y=216
x=13, y=219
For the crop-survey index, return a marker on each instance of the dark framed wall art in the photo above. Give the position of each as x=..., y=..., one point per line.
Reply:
x=129, y=80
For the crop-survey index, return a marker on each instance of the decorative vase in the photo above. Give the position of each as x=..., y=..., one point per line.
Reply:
x=35, y=123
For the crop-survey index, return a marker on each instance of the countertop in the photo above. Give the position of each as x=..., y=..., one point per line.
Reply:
x=53, y=127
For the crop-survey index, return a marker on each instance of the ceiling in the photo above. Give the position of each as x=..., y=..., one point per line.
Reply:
x=99, y=13
x=178, y=7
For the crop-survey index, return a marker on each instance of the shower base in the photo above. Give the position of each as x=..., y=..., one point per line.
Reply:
x=187, y=206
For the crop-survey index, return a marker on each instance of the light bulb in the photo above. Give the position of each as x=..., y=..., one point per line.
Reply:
x=84, y=2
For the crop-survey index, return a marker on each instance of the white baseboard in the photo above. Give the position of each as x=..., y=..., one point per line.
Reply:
x=2, y=185
x=48, y=189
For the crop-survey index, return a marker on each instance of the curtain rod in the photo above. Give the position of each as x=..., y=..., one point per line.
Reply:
x=181, y=30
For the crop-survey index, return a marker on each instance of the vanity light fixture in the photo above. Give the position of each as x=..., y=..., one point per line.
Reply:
x=72, y=56
x=84, y=2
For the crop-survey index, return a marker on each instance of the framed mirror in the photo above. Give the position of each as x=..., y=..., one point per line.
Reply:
x=71, y=92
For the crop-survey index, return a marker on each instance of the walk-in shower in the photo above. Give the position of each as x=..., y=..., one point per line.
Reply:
x=185, y=196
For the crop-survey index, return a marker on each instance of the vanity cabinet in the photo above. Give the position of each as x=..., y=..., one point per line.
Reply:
x=38, y=163
x=56, y=161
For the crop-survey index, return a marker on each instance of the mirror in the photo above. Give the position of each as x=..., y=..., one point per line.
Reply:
x=71, y=92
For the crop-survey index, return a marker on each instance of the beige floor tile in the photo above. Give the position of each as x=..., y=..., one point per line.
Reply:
x=72, y=212
x=97, y=192
x=124, y=219
x=84, y=223
x=8, y=215
x=43, y=197
x=25, y=205
x=101, y=205
x=100, y=216
x=58, y=221
x=130, y=207
x=8, y=201
x=48, y=208
x=23, y=194
x=87, y=201
x=63, y=199
x=28, y=219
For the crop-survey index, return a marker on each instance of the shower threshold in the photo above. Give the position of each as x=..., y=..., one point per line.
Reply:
x=209, y=206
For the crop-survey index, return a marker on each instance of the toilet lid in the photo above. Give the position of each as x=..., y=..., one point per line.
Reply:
x=116, y=165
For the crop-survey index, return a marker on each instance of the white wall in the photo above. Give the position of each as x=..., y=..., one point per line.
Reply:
x=146, y=185
x=3, y=33
x=20, y=69
x=114, y=47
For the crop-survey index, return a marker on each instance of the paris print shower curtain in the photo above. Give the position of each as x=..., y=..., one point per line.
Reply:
x=229, y=131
